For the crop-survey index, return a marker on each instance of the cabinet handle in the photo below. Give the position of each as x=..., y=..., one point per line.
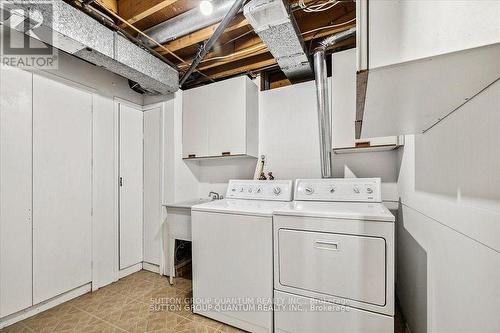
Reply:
x=226, y=153
x=326, y=245
x=121, y=181
x=191, y=155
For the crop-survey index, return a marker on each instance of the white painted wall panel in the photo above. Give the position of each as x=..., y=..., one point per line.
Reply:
x=15, y=190
x=131, y=191
x=343, y=98
x=449, y=232
x=452, y=172
x=407, y=30
x=62, y=187
x=447, y=282
x=290, y=140
x=104, y=199
x=152, y=185
x=289, y=131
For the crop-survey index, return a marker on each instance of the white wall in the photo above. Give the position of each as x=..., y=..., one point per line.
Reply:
x=449, y=227
x=106, y=86
x=413, y=29
x=187, y=180
x=288, y=135
x=290, y=140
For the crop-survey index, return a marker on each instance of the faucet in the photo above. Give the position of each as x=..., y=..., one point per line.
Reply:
x=214, y=195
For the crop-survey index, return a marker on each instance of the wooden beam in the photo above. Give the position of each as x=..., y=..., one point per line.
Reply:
x=202, y=34
x=327, y=32
x=111, y=5
x=242, y=66
x=254, y=46
x=133, y=11
x=242, y=49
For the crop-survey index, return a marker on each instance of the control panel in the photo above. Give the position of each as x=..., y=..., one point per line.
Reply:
x=278, y=190
x=339, y=189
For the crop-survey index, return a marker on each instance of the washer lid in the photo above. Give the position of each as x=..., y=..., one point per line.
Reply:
x=338, y=210
x=241, y=207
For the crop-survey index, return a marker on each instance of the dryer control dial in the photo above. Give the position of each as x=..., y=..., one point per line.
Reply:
x=309, y=190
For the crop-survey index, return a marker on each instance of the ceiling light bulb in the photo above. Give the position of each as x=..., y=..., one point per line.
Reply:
x=206, y=7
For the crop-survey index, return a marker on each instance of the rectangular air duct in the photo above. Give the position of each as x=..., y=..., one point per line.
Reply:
x=276, y=26
x=72, y=31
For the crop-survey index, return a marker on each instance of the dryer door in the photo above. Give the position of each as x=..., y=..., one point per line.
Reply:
x=346, y=266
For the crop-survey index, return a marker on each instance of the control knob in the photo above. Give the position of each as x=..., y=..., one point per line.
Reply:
x=309, y=190
x=332, y=190
x=356, y=189
x=277, y=190
x=369, y=190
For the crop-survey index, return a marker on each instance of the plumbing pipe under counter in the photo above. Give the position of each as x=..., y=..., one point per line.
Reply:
x=177, y=226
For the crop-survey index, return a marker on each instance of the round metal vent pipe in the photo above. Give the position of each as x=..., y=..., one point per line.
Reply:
x=323, y=100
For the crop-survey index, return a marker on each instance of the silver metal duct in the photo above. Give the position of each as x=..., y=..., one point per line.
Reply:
x=323, y=100
x=202, y=52
x=276, y=26
x=187, y=22
x=74, y=32
x=324, y=127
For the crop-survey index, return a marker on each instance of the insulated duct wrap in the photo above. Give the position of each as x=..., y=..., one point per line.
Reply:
x=277, y=28
x=74, y=32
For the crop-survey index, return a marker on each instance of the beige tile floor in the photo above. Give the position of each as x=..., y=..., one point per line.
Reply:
x=141, y=302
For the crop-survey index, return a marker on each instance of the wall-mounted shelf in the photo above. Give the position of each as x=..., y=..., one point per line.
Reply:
x=218, y=157
x=370, y=149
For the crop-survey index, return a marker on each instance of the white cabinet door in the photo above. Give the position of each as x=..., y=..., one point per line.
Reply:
x=15, y=190
x=343, y=98
x=195, y=106
x=401, y=31
x=152, y=185
x=226, y=117
x=131, y=165
x=62, y=193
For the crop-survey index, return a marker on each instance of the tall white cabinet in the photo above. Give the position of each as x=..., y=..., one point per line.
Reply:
x=221, y=119
x=62, y=187
x=46, y=189
x=15, y=190
x=152, y=185
x=131, y=185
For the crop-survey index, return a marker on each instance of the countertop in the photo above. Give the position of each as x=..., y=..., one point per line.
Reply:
x=186, y=204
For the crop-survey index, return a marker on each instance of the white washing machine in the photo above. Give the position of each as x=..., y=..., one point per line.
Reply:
x=334, y=259
x=232, y=253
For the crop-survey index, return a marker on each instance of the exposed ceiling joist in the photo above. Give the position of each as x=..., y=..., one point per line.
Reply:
x=111, y=5
x=134, y=11
x=241, y=66
x=203, y=34
x=254, y=46
x=240, y=50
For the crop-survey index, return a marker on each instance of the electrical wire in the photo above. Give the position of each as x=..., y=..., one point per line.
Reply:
x=328, y=27
x=261, y=46
x=320, y=6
